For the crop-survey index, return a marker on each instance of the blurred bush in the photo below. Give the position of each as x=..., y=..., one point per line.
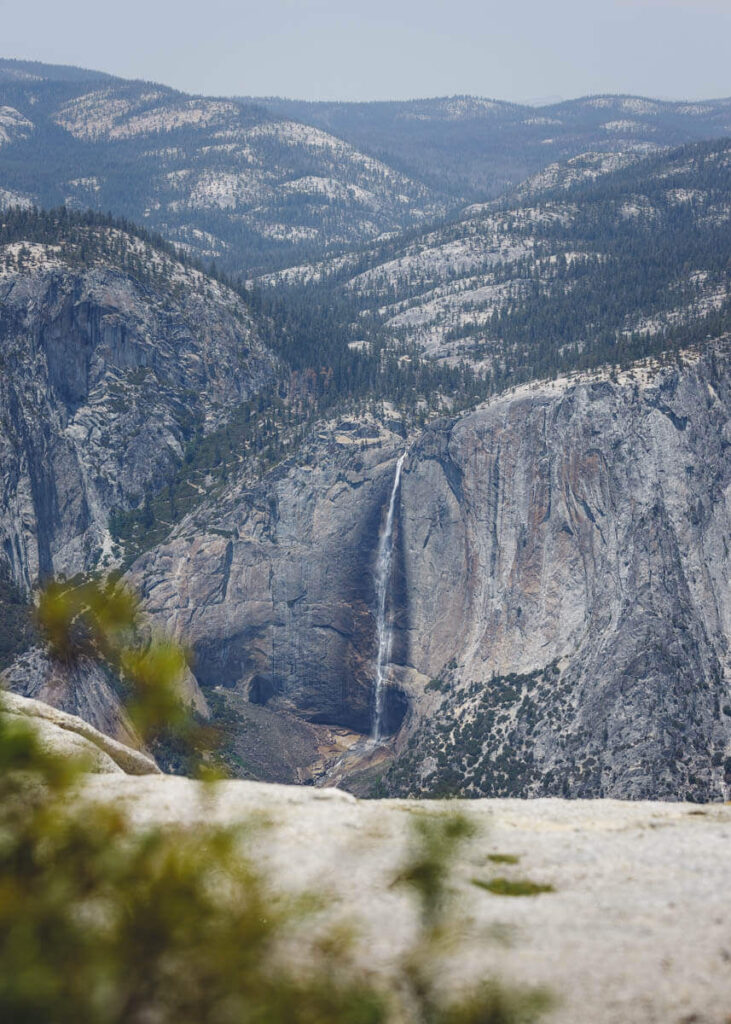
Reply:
x=100, y=925
x=104, y=924
x=103, y=621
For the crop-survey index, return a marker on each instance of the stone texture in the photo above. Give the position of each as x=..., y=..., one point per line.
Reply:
x=636, y=931
x=87, y=689
x=273, y=587
x=72, y=736
x=84, y=689
x=584, y=526
x=573, y=532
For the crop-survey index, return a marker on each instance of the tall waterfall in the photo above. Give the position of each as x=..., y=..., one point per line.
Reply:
x=383, y=580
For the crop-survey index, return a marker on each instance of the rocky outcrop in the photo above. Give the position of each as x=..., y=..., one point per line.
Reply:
x=84, y=689
x=71, y=736
x=106, y=372
x=561, y=573
x=89, y=689
x=577, y=534
x=635, y=931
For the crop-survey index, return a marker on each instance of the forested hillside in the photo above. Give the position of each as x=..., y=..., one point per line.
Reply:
x=263, y=184
x=575, y=274
x=476, y=148
x=116, y=358
x=225, y=180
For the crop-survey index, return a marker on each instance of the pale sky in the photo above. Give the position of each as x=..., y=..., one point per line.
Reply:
x=388, y=49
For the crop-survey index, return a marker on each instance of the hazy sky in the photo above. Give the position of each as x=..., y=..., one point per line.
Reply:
x=388, y=49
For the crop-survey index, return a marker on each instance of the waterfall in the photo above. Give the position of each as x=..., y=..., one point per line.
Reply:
x=383, y=625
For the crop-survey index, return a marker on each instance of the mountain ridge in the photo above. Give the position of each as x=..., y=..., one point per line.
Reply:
x=522, y=139
x=259, y=187
x=219, y=178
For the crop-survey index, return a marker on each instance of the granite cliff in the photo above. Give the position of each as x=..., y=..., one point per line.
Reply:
x=113, y=354
x=560, y=594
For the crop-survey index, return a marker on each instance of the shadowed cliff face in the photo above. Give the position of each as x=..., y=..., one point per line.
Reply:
x=573, y=533
x=101, y=379
x=85, y=689
x=276, y=591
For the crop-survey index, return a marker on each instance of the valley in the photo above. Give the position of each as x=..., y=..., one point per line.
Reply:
x=428, y=471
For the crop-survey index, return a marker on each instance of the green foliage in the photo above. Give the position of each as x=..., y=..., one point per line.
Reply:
x=102, y=620
x=78, y=619
x=436, y=840
x=100, y=925
x=494, y=1003
x=486, y=749
x=503, y=858
x=512, y=886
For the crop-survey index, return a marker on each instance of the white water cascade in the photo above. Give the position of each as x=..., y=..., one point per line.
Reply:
x=383, y=580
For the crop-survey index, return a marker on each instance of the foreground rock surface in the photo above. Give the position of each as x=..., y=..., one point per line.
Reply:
x=71, y=736
x=636, y=931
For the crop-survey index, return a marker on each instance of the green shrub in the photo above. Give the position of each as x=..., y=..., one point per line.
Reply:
x=436, y=841
x=100, y=925
x=512, y=887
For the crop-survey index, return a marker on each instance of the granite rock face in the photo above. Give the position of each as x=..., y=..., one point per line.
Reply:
x=84, y=689
x=561, y=573
x=104, y=373
x=578, y=537
x=273, y=586
x=635, y=931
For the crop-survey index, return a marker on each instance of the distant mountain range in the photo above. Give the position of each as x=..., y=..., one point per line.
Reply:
x=601, y=259
x=223, y=179
x=476, y=148
x=263, y=184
